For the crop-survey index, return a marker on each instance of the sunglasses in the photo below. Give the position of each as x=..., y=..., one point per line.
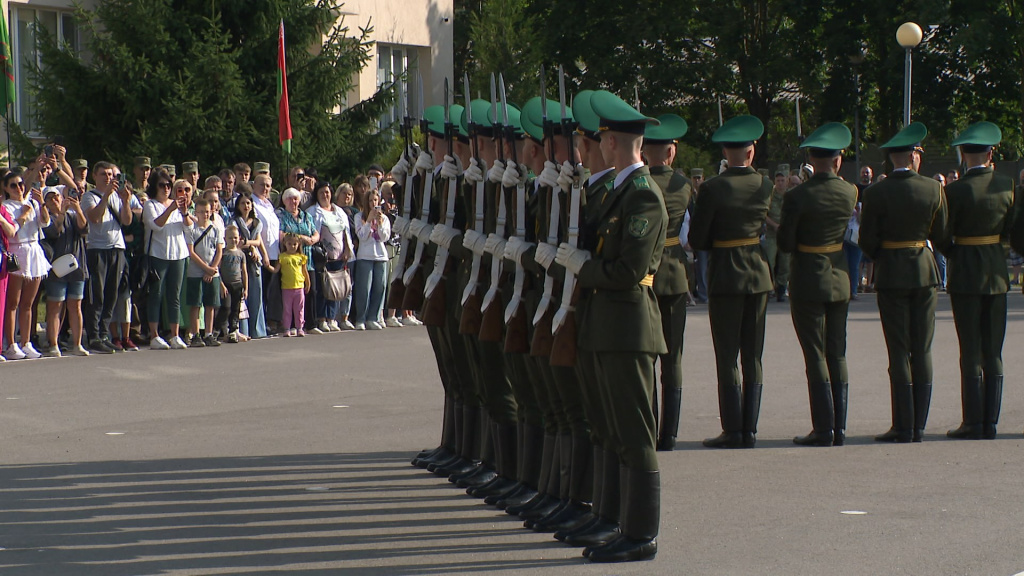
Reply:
x=18, y=184
x=300, y=174
x=164, y=184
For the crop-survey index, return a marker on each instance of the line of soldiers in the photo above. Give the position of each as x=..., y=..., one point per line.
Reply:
x=549, y=300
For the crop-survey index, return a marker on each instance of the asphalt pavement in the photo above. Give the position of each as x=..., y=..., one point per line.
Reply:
x=291, y=456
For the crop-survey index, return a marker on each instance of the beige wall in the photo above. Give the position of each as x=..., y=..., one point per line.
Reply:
x=424, y=24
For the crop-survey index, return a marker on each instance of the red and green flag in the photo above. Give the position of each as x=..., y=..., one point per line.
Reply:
x=284, y=122
x=8, y=66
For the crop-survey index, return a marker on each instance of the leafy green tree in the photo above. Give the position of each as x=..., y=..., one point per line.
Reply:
x=197, y=81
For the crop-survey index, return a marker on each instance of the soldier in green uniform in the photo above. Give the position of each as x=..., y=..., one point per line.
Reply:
x=670, y=282
x=622, y=323
x=981, y=214
x=778, y=261
x=814, y=218
x=899, y=216
x=727, y=221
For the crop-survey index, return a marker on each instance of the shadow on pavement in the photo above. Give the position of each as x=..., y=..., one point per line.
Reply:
x=305, y=514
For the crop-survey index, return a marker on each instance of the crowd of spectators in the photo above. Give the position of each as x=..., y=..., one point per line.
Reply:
x=118, y=261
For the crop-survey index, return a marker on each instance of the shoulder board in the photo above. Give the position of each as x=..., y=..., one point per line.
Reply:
x=641, y=182
x=610, y=185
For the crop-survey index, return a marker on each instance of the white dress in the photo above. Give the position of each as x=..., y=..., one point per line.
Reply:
x=25, y=244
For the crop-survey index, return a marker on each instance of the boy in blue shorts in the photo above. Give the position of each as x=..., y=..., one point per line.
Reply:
x=205, y=249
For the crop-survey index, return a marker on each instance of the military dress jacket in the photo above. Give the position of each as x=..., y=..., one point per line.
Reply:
x=813, y=223
x=898, y=215
x=671, y=276
x=730, y=209
x=622, y=314
x=981, y=215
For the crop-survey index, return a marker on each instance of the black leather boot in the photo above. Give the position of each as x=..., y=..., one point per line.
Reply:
x=641, y=516
x=606, y=527
x=530, y=456
x=457, y=439
x=840, y=396
x=902, y=428
x=822, y=417
x=443, y=451
x=591, y=517
x=549, y=501
x=971, y=427
x=751, y=412
x=993, y=403
x=503, y=438
x=671, y=406
x=577, y=482
x=730, y=407
x=922, y=402
x=548, y=450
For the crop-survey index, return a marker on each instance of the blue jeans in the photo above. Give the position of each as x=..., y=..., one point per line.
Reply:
x=700, y=270
x=853, y=256
x=368, y=285
x=256, y=325
x=940, y=263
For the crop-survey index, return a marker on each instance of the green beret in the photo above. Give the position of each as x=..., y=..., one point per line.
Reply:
x=739, y=132
x=587, y=120
x=907, y=139
x=261, y=167
x=80, y=163
x=481, y=110
x=672, y=128
x=618, y=116
x=434, y=117
x=979, y=137
x=190, y=167
x=143, y=162
x=828, y=140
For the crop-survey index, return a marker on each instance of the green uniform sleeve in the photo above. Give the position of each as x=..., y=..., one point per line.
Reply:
x=789, y=221
x=641, y=232
x=700, y=223
x=870, y=225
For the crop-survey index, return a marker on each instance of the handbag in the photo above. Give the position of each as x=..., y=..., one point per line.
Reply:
x=319, y=256
x=337, y=284
x=64, y=265
x=11, y=262
x=143, y=272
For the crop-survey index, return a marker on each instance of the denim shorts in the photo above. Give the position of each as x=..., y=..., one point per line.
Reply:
x=199, y=293
x=58, y=290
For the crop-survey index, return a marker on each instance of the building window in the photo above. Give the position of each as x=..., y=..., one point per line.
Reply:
x=26, y=26
x=396, y=62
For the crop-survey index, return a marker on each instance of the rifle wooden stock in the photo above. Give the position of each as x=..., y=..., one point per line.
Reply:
x=472, y=317
x=542, y=338
x=563, y=349
x=434, y=308
x=492, y=325
x=517, y=339
x=396, y=294
x=413, y=299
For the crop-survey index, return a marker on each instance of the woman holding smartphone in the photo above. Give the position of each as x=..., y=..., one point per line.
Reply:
x=373, y=230
x=165, y=219
x=31, y=216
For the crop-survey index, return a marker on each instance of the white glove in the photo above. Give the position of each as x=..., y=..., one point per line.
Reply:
x=495, y=245
x=400, y=169
x=545, y=254
x=510, y=178
x=496, y=172
x=425, y=161
x=723, y=165
x=401, y=225
x=474, y=242
x=450, y=169
x=473, y=174
x=443, y=236
x=421, y=230
x=515, y=249
x=571, y=258
x=549, y=176
x=567, y=176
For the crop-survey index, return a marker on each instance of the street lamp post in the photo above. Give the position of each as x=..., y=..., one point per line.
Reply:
x=908, y=35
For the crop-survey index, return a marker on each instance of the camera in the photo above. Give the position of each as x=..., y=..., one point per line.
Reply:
x=48, y=150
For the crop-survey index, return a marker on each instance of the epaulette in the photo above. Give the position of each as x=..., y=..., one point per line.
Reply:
x=641, y=182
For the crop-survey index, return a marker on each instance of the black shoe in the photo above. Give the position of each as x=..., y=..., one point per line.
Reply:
x=499, y=486
x=626, y=550
x=749, y=440
x=211, y=341
x=725, y=440
x=582, y=524
x=482, y=478
x=519, y=498
x=815, y=439
x=894, y=435
x=197, y=342
x=601, y=532
x=966, y=432
x=100, y=347
x=565, y=518
x=666, y=444
x=918, y=435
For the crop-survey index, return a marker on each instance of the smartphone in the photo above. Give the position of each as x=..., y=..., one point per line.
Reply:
x=48, y=150
x=373, y=182
x=58, y=140
x=120, y=180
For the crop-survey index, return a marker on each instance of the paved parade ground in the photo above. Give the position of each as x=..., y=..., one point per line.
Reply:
x=291, y=456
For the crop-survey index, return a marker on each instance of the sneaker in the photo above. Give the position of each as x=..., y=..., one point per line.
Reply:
x=316, y=330
x=233, y=337
x=158, y=343
x=333, y=326
x=323, y=327
x=197, y=342
x=100, y=347
x=411, y=321
x=78, y=351
x=130, y=346
x=14, y=352
x=393, y=322
x=359, y=326
x=116, y=345
x=2, y=359
x=52, y=352
x=373, y=326
x=347, y=325
x=300, y=333
x=293, y=332
x=211, y=341
x=30, y=352
x=177, y=343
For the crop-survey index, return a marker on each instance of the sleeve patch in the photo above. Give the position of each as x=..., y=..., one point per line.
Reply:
x=639, y=226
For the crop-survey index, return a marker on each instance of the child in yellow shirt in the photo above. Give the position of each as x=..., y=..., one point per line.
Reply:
x=294, y=285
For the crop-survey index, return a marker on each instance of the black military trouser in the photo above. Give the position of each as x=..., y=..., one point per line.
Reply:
x=673, y=325
x=821, y=329
x=626, y=381
x=908, y=323
x=981, y=328
x=737, y=328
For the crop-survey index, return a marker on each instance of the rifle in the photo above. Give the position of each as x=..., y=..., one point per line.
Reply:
x=516, y=329
x=413, y=277
x=563, y=325
x=396, y=291
x=436, y=287
x=491, y=325
x=471, y=314
x=542, y=338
